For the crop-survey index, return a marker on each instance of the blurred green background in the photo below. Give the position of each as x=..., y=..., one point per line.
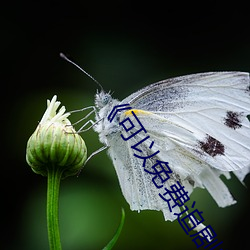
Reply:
x=125, y=47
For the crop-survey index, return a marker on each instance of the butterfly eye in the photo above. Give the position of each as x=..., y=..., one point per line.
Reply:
x=106, y=99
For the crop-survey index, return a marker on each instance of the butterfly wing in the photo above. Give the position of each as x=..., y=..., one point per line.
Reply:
x=199, y=125
x=135, y=183
x=212, y=106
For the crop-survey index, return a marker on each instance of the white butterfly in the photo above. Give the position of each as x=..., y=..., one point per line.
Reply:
x=198, y=123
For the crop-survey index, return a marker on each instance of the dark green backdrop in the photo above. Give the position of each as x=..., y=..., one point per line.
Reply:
x=125, y=46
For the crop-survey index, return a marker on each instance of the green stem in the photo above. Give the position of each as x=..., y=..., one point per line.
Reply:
x=54, y=177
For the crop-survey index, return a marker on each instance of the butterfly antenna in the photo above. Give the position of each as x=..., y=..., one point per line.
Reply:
x=86, y=73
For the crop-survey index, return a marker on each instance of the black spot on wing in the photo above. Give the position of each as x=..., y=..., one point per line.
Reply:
x=212, y=146
x=233, y=119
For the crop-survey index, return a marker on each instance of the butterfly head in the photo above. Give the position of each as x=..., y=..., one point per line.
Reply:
x=102, y=99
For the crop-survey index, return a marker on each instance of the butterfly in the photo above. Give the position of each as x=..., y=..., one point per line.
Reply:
x=199, y=125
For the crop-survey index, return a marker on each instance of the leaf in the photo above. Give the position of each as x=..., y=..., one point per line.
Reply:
x=110, y=245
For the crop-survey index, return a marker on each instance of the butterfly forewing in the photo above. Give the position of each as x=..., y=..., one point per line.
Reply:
x=211, y=108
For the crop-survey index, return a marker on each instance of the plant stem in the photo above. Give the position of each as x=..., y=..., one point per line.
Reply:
x=54, y=177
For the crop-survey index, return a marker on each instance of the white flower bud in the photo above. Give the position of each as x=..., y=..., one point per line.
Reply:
x=55, y=143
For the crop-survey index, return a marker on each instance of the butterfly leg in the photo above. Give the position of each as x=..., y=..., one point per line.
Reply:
x=96, y=152
x=92, y=154
x=86, y=116
x=81, y=129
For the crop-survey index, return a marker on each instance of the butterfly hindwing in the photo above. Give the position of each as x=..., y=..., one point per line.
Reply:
x=136, y=184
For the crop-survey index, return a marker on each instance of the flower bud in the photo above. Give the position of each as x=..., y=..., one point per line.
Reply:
x=55, y=144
